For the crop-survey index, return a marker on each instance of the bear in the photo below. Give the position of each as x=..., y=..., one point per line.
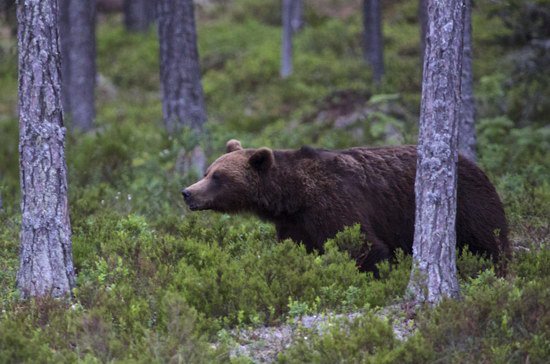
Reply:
x=312, y=194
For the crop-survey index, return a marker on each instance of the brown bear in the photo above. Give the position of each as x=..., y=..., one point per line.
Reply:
x=311, y=194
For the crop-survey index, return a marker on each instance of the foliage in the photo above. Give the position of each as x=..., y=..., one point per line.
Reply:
x=157, y=283
x=368, y=339
x=496, y=321
x=127, y=59
x=526, y=37
x=520, y=159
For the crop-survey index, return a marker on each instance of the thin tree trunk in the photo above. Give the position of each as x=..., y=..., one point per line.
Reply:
x=467, y=140
x=297, y=21
x=434, y=258
x=64, y=26
x=81, y=56
x=138, y=14
x=373, y=44
x=286, y=51
x=182, y=94
x=46, y=266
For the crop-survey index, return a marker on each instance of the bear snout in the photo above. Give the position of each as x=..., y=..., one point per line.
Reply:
x=188, y=200
x=193, y=200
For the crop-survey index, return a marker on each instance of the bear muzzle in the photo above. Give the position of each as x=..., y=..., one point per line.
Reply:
x=189, y=200
x=194, y=203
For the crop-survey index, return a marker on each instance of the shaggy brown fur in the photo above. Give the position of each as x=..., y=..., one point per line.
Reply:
x=311, y=194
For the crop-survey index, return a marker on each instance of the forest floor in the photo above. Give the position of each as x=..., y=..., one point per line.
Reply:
x=263, y=344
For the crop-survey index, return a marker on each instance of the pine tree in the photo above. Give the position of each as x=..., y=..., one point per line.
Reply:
x=434, y=258
x=46, y=266
x=182, y=94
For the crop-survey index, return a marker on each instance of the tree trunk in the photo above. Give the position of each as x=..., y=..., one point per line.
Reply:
x=297, y=17
x=182, y=95
x=138, y=14
x=467, y=130
x=434, y=258
x=64, y=27
x=78, y=66
x=286, y=51
x=46, y=266
x=373, y=46
x=77, y=29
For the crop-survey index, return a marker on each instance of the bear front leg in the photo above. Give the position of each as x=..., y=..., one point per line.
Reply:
x=375, y=252
x=296, y=233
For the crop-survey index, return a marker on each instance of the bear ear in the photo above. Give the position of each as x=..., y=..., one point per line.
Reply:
x=232, y=145
x=262, y=159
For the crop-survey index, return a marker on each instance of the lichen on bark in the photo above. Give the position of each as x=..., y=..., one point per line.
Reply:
x=46, y=266
x=434, y=259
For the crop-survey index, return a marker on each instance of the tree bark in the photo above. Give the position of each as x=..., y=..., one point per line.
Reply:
x=297, y=20
x=64, y=26
x=286, y=50
x=373, y=44
x=138, y=15
x=82, y=55
x=434, y=258
x=467, y=140
x=78, y=65
x=182, y=94
x=46, y=266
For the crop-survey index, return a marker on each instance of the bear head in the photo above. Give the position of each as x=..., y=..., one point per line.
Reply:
x=232, y=183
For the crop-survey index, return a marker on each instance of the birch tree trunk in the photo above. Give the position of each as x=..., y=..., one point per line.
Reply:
x=467, y=140
x=78, y=61
x=46, y=266
x=286, y=50
x=434, y=257
x=182, y=94
x=373, y=44
x=138, y=14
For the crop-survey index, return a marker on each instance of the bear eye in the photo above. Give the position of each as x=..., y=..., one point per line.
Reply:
x=216, y=176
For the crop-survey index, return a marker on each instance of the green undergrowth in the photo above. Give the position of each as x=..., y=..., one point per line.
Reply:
x=151, y=290
x=496, y=321
x=157, y=283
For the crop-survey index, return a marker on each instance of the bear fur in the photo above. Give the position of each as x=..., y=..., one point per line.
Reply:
x=311, y=194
